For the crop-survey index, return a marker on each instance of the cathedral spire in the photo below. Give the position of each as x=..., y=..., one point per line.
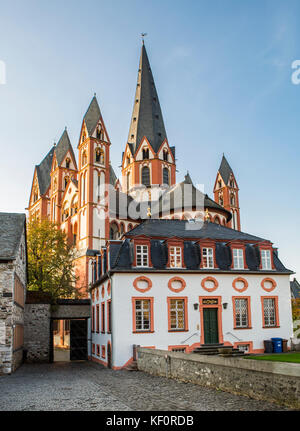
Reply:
x=147, y=120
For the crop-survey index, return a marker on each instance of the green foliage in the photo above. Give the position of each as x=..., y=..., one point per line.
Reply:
x=50, y=260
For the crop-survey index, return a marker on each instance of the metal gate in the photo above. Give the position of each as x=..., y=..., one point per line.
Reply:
x=78, y=340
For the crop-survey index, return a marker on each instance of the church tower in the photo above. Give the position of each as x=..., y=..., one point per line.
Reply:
x=148, y=159
x=93, y=180
x=226, y=193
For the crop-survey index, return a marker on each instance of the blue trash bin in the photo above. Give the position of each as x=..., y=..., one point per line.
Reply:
x=277, y=345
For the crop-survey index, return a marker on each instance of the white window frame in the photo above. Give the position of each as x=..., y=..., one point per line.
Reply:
x=175, y=257
x=177, y=310
x=208, y=254
x=269, y=312
x=266, y=259
x=238, y=258
x=243, y=320
x=141, y=312
x=142, y=256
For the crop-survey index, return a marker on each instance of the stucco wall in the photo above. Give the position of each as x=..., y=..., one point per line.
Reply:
x=122, y=317
x=262, y=380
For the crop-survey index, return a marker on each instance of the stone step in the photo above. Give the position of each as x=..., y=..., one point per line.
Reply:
x=132, y=366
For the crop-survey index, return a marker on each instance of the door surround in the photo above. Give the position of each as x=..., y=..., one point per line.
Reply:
x=218, y=305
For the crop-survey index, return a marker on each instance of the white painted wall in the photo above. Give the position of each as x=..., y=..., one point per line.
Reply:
x=123, y=291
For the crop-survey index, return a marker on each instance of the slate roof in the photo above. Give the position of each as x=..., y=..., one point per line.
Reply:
x=186, y=229
x=112, y=176
x=44, y=168
x=92, y=116
x=182, y=197
x=225, y=170
x=62, y=147
x=12, y=226
x=295, y=289
x=147, y=119
x=122, y=253
x=43, y=171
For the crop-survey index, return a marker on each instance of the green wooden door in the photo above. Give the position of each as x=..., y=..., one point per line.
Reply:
x=210, y=319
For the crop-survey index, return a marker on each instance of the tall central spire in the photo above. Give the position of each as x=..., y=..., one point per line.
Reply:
x=147, y=120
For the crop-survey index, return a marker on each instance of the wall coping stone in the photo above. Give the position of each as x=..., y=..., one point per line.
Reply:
x=283, y=368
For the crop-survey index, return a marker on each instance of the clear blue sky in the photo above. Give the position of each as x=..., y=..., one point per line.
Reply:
x=223, y=74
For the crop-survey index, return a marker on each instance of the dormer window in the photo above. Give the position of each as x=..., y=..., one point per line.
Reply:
x=68, y=161
x=266, y=259
x=238, y=258
x=142, y=256
x=175, y=257
x=208, y=257
x=145, y=153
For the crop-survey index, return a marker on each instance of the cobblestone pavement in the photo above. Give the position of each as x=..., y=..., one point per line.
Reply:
x=88, y=386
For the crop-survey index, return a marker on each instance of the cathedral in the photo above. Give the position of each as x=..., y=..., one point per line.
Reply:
x=92, y=205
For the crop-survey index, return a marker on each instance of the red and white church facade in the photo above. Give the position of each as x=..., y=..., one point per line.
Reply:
x=138, y=297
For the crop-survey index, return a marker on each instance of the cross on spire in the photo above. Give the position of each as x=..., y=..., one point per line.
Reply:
x=143, y=35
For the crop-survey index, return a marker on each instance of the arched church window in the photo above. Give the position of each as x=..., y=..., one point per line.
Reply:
x=219, y=184
x=68, y=161
x=217, y=220
x=99, y=132
x=84, y=158
x=232, y=199
x=114, y=231
x=146, y=176
x=221, y=200
x=128, y=161
x=231, y=183
x=128, y=181
x=165, y=155
x=166, y=176
x=145, y=153
x=66, y=181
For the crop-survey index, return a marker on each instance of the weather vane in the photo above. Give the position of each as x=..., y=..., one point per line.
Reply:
x=143, y=35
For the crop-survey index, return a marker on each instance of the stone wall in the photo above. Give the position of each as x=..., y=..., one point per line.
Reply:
x=262, y=380
x=6, y=316
x=37, y=332
x=38, y=314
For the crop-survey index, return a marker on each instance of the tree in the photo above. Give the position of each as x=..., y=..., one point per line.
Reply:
x=50, y=260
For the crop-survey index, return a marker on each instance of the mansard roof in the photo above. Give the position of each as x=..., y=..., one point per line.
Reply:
x=92, y=116
x=158, y=231
x=147, y=119
x=12, y=226
x=225, y=170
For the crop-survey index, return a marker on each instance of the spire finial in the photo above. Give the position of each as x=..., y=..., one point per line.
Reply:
x=143, y=35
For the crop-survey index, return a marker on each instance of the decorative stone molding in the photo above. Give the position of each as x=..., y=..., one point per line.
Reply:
x=176, y=289
x=145, y=280
x=209, y=289
x=240, y=280
x=268, y=280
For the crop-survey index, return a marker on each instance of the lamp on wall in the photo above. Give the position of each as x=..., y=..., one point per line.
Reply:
x=225, y=305
x=196, y=305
